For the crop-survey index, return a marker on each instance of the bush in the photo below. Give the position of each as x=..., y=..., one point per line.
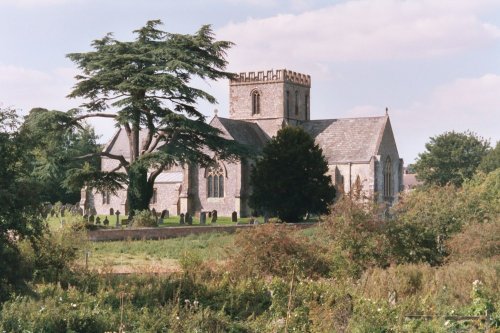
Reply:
x=278, y=251
x=144, y=218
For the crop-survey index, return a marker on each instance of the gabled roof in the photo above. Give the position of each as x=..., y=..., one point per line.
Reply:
x=119, y=144
x=349, y=139
x=244, y=132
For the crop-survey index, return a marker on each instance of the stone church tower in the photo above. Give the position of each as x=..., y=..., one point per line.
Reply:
x=272, y=98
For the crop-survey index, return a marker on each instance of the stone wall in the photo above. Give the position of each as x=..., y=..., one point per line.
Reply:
x=171, y=232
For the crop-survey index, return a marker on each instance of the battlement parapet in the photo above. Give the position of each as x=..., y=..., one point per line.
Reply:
x=279, y=75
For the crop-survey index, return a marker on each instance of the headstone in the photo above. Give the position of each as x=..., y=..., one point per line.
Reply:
x=86, y=217
x=234, y=217
x=163, y=214
x=91, y=219
x=266, y=217
x=189, y=219
x=63, y=210
x=167, y=214
x=210, y=214
x=214, y=216
x=117, y=213
x=203, y=217
x=111, y=211
x=181, y=219
x=98, y=220
x=106, y=221
x=251, y=221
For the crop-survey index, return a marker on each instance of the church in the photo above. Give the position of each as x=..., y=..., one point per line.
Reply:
x=361, y=152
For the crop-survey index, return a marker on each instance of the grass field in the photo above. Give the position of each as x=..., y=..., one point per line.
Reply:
x=155, y=255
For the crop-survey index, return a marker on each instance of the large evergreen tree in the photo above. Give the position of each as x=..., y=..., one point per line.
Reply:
x=451, y=158
x=290, y=179
x=148, y=82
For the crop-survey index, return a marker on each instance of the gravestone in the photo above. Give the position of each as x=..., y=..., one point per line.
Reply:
x=86, y=217
x=167, y=214
x=155, y=215
x=162, y=216
x=203, y=217
x=98, y=220
x=189, y=219
x=266, y=217
x=181, y=219
x=234, y=217
x=117, y=213
x=106, y=221
x=111, y=211
x=91, y=219
x=210, y=215
x=63, y=210
x=214, y=216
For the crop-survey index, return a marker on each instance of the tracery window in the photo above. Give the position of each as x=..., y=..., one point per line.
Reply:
x=215, y=182
x=255, y=102
x=106, y=198
x=388, y=186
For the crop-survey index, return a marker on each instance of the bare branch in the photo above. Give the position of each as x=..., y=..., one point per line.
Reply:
x=123, y=161
x=90, y=115
x=156, y=173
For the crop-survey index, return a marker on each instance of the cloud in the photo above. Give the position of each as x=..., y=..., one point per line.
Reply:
x=365, y=30
x=461, y=105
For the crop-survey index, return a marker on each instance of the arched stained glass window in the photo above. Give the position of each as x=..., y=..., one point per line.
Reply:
x=215, y=182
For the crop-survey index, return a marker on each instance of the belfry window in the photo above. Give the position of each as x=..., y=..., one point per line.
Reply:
x=306, y=105
x=215, y=182
x=296, y=103
x=255, y=102
x=388, y=186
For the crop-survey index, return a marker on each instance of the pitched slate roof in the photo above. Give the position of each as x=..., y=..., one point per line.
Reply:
x=347, y=140
x=119, y=144
x=243, y=131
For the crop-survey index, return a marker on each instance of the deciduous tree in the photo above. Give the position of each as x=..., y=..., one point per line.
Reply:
x=451, y=158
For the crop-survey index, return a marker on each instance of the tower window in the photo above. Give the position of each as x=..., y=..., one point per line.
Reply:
x=287, y=102
x=296, y=103
x=306, y=104
x=255, y=102
x=215, y=182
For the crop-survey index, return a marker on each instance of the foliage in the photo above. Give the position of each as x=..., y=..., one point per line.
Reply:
x=491, y=161
x=451, y=158
x=483, y=241
x=144, y=218
x=148, y=81
x=358, y=233
x=19, y=204
x=290, y=179
x=53, y=149
x=274, y=250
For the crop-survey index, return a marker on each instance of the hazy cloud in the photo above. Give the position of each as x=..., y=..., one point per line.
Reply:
x=361, y=30
x=461, y=105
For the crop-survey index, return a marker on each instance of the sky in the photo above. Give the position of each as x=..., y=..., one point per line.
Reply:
x=435, y=64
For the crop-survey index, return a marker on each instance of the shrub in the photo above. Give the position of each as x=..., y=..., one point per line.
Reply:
x=144, y=218
x=483, y=241
x=276, y=250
